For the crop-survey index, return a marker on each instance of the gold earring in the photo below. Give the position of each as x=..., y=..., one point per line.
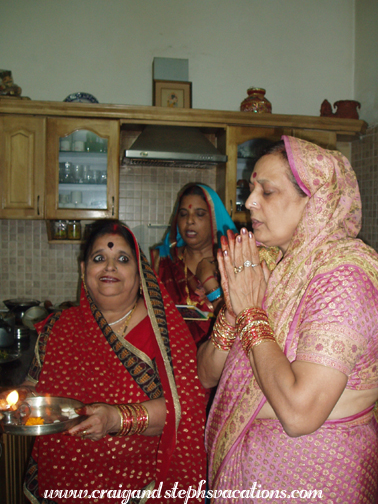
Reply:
x=140, y=289
x=84, y=284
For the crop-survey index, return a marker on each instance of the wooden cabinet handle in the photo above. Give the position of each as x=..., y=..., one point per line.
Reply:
x=231, y=209
x=38, y=204
x=113, y=206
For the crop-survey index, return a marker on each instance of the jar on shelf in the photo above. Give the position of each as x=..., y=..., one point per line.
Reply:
x=256, y=102
x=60, y=230
x=74, y=230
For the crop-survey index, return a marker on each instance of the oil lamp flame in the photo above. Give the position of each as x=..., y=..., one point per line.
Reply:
x=12, y=399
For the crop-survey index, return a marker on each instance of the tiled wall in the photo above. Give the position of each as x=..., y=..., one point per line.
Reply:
x=365, y=164
x=33, y=268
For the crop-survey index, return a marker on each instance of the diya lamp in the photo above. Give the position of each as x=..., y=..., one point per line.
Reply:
x=10, y=409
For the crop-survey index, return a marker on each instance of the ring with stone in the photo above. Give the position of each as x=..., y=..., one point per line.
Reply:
x=238, y=269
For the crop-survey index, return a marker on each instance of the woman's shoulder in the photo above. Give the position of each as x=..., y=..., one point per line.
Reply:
x=350, y=253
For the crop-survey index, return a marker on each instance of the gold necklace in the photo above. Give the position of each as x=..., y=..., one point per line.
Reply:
x=188, y=300
x=122, y=330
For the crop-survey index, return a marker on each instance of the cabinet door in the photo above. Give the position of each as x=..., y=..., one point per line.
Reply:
x=22, y=167
x=82, y=168
x=236, y=137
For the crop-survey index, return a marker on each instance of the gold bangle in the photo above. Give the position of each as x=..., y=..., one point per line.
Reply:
x=253, y=328
x=134, y=419
x=121, y=428
x=224, y=334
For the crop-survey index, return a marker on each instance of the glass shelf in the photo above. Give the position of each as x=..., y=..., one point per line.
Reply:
x=83, y=171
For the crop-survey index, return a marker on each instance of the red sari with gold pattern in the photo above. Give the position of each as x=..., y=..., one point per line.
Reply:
x=79, y=356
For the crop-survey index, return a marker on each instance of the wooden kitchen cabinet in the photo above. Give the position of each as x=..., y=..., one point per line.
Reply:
x=22, y=166
x=244, y=145
x=24, y=147
x=82, y=175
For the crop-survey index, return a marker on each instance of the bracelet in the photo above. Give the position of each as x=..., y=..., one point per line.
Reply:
x=215, y=294
x=253, y=328
x=224, y=334
x=134, y=419
x=209, y=278
x=122, y=422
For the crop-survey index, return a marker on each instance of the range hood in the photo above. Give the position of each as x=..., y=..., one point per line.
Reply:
x=171, y=145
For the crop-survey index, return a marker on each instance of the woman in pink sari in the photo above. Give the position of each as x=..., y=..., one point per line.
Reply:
x=295, y=353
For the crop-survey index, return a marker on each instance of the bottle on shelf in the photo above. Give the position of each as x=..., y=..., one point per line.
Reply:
x=74, y=230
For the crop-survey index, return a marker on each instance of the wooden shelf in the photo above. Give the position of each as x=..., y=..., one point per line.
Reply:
x=187, y=117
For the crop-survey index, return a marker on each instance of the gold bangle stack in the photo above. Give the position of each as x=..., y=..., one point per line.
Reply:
x=253, y=328
x=134, y=419
x=224, y=334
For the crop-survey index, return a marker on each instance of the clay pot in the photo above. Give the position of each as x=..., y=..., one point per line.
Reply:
x=347, y=109
x=256, y=102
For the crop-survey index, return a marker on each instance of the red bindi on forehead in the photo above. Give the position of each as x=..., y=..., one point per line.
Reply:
x=254, y=175
x=190, y=206
x=110, y=245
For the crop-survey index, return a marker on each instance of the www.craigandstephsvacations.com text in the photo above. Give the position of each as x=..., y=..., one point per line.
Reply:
x=254, y=492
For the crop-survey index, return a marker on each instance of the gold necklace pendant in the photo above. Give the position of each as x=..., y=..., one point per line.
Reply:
x=188, y=300
x=122, y=330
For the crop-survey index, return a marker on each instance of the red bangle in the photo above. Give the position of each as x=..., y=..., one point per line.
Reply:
x=209, y=278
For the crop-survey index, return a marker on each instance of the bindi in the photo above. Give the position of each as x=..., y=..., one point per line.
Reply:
x=190, y=206
x=110, y=245
x=254, y=175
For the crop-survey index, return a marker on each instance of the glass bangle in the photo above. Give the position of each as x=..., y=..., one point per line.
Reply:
x=216, y=294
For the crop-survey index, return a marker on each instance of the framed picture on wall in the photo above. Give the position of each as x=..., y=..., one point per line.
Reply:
x=173, y=94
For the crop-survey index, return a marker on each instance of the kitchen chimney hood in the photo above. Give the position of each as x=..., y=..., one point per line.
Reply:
x=171, y=145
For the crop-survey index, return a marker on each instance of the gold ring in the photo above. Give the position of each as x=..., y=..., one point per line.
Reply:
x=238, y=269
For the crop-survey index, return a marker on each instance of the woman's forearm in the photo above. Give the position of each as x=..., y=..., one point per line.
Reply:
x=157, y=412
x=210, y=363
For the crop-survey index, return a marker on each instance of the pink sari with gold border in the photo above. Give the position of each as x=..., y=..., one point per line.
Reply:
x=322, y=301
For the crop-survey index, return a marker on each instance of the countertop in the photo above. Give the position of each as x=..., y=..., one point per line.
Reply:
x=12, y=374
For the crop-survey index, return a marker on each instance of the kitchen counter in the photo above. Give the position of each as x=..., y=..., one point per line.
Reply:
x=12, y=374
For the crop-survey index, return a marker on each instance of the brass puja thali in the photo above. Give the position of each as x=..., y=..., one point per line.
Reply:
x=41, y=415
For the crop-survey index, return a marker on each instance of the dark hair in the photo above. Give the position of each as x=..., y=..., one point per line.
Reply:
x=279, y=148
x=103, y=227
x=192, y=189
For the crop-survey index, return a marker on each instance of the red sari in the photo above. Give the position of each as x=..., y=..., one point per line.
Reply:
x=79, y=356
x=180, y=288
x=183, y=286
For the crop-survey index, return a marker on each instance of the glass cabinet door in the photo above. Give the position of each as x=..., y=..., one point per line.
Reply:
x=83, y=168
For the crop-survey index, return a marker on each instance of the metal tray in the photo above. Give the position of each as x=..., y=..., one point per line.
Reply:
x=50, y=409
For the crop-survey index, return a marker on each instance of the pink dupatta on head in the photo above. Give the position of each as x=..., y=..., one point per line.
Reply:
x=324, y=239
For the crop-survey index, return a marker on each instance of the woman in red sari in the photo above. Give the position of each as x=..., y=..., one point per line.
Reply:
x=186, y=260
x=127, y=355
x=296, y=351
